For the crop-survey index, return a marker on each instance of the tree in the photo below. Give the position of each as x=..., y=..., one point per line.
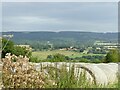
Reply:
x=21, y=51
x=112, y=56
x=9, y=47
x=57, y=57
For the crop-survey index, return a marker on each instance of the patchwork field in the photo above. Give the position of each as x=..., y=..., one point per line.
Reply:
x=71, y=54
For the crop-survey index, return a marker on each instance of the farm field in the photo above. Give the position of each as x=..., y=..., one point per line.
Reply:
x=43, y=54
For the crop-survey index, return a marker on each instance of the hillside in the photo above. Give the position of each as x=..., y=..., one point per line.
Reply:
x=64, y=38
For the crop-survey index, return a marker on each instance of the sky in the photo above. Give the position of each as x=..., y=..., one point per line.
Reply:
x=60, y=16
x=0, y=17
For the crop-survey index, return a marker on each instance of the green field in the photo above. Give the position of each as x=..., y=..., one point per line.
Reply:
x=43, y=54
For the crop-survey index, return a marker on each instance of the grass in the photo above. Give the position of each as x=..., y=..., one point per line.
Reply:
x=53, y=78
x=43, y=54
x=66, y=79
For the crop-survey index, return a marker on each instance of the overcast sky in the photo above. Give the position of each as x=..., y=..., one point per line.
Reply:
x=60, y=16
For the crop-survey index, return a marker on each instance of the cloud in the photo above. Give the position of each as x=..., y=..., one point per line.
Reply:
x=59, y=0
x=29, y=20
x=0, y=17
x=60, y=16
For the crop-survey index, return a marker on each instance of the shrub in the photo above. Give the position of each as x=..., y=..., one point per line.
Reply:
x=21, y=74
x=112, y=56
x=21, y=51
x=34, y=59
x=57, y=58
x=9, y=47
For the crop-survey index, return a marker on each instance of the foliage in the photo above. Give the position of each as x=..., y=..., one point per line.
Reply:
x=86, y=59
x=11, y=48
x=89, y=57
x=21, y=51
x=57, y=58
x=20, y=74
x=112, y=56
x=97, y=51
x=38, y=40
x=35, y=59
x=44, y=54
x=70, y=56
x=66, y=56
x=65, y=78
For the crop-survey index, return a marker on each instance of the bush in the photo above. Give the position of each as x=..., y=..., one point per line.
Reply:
x=9, y=47
x=112, y=56
x=34, y=59
x=21, y=74
x=93, y=57
x=57, y=58
x=21, y=51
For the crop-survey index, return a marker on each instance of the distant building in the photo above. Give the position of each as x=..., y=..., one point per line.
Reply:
x=108, y=45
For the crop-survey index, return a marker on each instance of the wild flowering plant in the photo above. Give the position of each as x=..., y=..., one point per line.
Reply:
x=19, y=73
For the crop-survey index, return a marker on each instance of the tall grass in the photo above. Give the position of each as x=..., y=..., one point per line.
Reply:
x=21, y=74
x=66, y=79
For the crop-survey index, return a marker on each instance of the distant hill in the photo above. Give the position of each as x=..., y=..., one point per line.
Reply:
x=71, y=37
